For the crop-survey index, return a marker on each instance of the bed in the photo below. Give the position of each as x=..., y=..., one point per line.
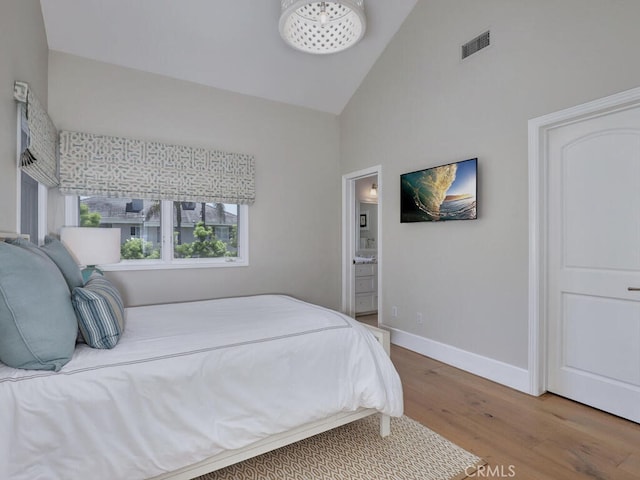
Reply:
x=193, y=387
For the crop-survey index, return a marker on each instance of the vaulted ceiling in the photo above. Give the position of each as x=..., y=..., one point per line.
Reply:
x=228, y=44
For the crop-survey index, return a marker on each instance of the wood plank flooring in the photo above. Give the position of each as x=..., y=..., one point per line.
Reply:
x=520, y=436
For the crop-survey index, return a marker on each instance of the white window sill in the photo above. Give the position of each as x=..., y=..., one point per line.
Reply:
x=174, y=265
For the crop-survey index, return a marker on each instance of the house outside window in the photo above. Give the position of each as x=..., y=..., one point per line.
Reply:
x=165, y=234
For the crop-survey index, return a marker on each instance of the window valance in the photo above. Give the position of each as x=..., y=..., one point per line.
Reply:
x=121, y=167
x=39, y=137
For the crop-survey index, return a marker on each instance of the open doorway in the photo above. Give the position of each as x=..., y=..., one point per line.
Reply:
x=361, y=252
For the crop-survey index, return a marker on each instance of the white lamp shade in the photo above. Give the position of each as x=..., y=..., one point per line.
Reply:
x=92, y=245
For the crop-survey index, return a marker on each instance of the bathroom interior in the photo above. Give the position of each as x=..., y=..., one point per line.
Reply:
x=366, y=264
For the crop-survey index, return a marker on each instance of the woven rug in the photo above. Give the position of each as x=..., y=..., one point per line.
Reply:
x=357, y=452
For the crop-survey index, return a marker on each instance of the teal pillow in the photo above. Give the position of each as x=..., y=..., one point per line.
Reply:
x=65, y=262
x=100, y=312
x=37, y=323
x=26, y=244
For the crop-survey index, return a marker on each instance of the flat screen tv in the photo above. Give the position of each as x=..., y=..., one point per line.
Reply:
x=436, y=194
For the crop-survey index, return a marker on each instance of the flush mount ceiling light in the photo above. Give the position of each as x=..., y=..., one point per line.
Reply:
x=322, y=27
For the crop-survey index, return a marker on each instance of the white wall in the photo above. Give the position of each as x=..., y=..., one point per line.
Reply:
x=23, y=56
x=421, y=106
x=295, y=221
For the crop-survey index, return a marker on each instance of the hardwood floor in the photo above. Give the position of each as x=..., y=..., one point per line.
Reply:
x=371, y=319
x=520, y=436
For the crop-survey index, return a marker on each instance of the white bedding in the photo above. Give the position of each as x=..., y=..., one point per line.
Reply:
x=187, y=381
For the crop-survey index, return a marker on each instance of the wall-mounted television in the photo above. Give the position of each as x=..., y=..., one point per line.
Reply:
x=446, y=192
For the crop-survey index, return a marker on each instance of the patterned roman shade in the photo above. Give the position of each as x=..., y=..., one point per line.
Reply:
x=121, y=167
x=39, y=137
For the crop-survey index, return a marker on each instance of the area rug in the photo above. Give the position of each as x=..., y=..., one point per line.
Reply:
x=357, y=452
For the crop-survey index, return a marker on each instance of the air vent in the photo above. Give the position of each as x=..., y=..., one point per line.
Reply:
x=475, y=45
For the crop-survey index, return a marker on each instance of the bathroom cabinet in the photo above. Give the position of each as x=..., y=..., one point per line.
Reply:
x=366, y=288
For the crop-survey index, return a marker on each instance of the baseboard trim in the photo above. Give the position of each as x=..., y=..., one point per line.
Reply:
x=494, y=370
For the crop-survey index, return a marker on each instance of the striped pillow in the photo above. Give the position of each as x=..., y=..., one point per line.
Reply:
x=100, y=312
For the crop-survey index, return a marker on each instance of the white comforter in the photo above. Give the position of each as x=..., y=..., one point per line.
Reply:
x=185, y=382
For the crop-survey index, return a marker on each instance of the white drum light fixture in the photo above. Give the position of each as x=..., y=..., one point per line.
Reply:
x=322, y=27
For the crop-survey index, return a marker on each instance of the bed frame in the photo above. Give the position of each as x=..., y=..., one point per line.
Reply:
x=229, y=457
x=12, y=236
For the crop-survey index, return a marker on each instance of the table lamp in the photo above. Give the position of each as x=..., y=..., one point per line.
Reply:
x=92, y=246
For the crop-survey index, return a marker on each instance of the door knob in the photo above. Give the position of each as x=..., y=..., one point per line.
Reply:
x=634, y=289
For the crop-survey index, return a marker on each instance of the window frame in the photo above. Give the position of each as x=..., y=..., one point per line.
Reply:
x=43, y=190
x=166, y=261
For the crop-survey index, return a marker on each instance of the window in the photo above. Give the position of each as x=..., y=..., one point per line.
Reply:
x=33, y=208
x=29, y=207
x=138, y=221
x=165, y=234
x=33, y=197
x=197, y=228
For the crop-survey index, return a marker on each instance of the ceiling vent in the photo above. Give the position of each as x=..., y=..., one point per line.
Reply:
x=475, y=45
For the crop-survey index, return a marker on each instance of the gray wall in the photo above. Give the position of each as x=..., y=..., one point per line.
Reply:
x=23, y=56
x=295, y=221
x=422, y=106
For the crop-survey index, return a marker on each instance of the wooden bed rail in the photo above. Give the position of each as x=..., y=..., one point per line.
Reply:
x=383, y=336
x=230, y=457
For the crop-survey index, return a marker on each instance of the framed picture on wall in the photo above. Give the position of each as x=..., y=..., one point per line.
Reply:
x=364, y=221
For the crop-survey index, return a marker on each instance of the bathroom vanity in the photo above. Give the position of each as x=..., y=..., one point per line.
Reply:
x=366, y=288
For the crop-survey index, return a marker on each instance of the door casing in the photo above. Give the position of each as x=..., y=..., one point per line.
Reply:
x=349, y=237
x=538, y=219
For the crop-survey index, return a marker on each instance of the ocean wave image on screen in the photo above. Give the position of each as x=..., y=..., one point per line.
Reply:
x=440, y=193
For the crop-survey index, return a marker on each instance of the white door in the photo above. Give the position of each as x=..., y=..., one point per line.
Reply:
x=594, y=262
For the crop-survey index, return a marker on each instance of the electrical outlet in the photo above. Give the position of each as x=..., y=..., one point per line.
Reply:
x=394, y=311
x=419, y=319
